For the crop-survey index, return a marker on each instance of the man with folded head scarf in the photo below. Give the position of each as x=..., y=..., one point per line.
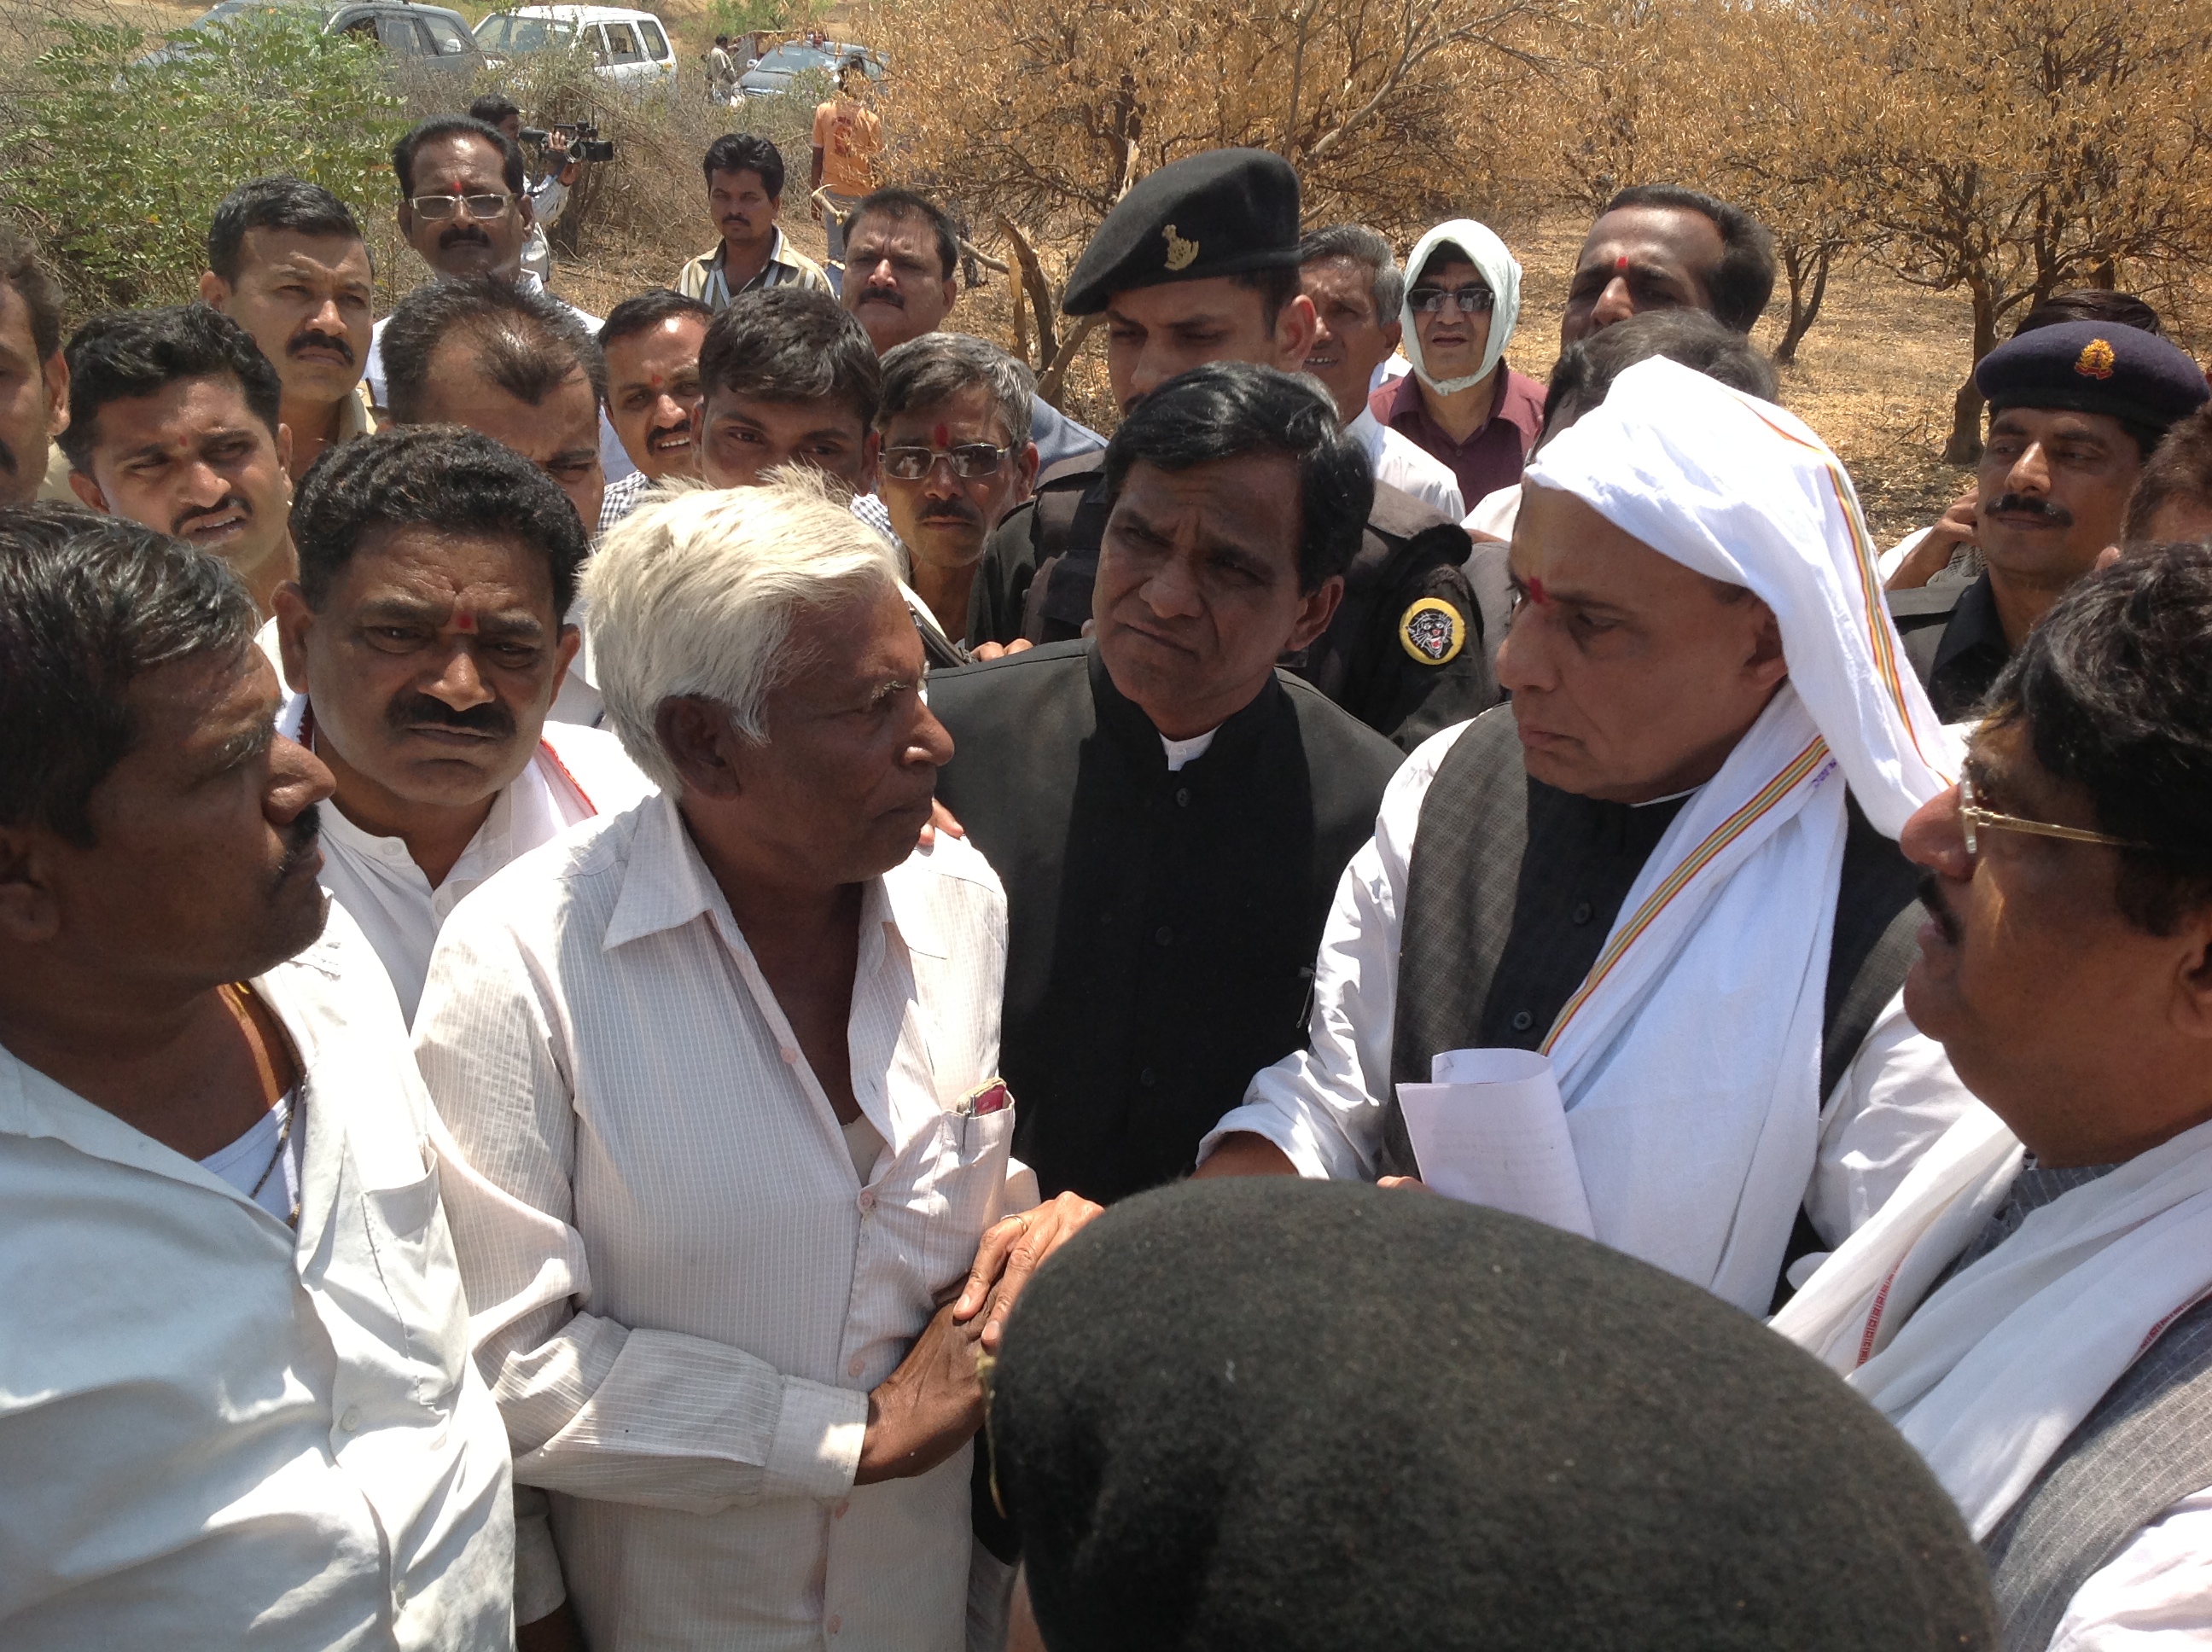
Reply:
x=1461, y=404
x=1375, y=1420
x=1670, y=865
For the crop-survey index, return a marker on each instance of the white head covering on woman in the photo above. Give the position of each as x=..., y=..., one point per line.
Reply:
x=1689, y=1060
x=1500, y=273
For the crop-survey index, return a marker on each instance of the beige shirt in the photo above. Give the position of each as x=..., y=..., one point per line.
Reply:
x=216, y=1431
x=683, y=1290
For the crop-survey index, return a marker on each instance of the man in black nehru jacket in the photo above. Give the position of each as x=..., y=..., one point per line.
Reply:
x=1199, y=263
x=1300, y=1418
x=1170, y=812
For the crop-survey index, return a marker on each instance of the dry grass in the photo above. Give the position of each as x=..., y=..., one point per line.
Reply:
x=1876, y=377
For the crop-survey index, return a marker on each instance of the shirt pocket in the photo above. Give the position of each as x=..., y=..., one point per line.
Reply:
x=422, y=1278
x=958, y=1165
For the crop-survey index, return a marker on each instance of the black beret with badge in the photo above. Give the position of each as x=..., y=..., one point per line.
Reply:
x=1263, y=1414
x=2094, y=366
x=1226, y=212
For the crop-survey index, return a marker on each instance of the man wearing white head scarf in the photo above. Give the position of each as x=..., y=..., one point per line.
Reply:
x=1461, y=404
x=1670, y=865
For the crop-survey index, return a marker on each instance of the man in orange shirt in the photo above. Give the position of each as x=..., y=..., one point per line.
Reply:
x=847, y=138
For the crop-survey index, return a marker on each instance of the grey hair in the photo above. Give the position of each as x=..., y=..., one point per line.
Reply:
x=1362, y=247
x=695, y=594
x=939, y=365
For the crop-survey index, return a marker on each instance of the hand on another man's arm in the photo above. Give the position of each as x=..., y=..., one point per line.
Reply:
x=1012, y=1250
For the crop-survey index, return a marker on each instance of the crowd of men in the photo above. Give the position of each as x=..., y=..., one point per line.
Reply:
x=588, y=902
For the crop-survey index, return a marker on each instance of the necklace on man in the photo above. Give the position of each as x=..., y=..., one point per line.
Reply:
x=245, y=1008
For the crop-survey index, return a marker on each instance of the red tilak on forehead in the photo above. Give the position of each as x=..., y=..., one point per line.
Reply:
x=464, y=620
x=656, y=380
x=1537, y=594
x=942, y=436
x=1620, y=265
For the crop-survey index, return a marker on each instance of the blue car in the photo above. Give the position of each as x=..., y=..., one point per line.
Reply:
x=771, y=75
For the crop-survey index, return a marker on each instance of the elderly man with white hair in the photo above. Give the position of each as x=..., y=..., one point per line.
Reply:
x=726, y=1063
x=1670, y=867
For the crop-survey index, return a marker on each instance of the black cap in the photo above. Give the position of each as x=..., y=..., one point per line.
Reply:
x=2094, y=366
x=1226, y=212
x=1272, y=1414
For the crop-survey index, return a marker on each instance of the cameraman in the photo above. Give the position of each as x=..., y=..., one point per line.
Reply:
x=548, y=195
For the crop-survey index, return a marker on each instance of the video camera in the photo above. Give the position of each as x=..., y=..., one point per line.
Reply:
x=585, y=143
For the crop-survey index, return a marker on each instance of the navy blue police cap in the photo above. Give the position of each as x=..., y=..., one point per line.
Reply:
x=1226, y=212
x=2094, y=366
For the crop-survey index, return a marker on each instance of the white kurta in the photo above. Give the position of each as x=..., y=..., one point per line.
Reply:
x=1323, y=1105
x=216, y=1432
x=575, y=774
x=684, y=1292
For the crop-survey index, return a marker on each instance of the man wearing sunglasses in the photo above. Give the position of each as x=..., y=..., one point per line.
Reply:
x=956, y=457
x=464, y=206
x=2032, y=1307
x=1461, y=404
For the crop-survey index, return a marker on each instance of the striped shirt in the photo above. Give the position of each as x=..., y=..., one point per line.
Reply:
x=703, y=278
x=683, y=1291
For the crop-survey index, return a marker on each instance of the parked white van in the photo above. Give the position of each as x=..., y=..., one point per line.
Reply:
x=629, y=47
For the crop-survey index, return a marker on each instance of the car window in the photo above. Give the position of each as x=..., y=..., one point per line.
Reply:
x=400, y=36
x=595, y=37
x=656, y=43
x=621, y=44
x=447, y=40
x=792, y=58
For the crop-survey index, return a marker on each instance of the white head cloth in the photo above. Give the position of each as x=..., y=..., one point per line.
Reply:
x=1689, y=1060
x=1743, y=492
x=1500, y=273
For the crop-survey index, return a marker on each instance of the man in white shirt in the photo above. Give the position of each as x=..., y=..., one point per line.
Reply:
x=426, y=643
x=236, y=1404
x=2031, y=1308
x=1669, y=868
x=464, y=208
x=729, y=1059
x=1357, y=291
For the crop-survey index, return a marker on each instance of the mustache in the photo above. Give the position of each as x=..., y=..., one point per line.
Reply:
x=890, y=295
x=300, y=839
x=1931, y=896
x=949, y=510
x=463, y=235
x=2020, y=505
x=313, y=336
x=412, y=711
x=226, y=502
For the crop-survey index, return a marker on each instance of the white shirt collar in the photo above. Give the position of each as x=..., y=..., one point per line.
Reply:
x=666, y=884
x=1186, y=751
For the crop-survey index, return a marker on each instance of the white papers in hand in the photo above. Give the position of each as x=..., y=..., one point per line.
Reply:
x=1491, y=1129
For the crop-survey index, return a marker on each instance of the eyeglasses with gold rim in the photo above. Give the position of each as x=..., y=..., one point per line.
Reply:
x=1973, y=818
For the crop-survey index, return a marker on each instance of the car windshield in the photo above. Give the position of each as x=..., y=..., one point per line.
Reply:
x=505, y=31
x=794, y=57
x=230, y=8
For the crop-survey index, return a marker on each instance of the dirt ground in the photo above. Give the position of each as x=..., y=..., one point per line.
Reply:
x=1876, y=376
